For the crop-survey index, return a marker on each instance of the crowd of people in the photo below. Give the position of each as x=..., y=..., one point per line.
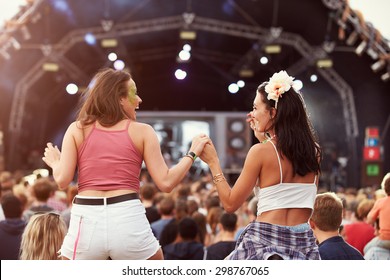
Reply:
x=191, y=223
x=128, y=203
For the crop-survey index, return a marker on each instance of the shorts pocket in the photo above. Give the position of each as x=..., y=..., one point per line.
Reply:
x=80, y=234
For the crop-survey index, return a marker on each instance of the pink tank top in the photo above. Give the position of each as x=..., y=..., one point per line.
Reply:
x=109, y=160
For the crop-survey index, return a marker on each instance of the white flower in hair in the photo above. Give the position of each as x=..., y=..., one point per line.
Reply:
x=278, y=84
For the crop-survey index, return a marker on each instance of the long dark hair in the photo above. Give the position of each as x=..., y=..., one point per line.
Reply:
x=294, y=131
x=101, y=99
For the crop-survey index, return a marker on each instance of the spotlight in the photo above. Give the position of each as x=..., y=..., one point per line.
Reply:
x=352, y=38
x=385, y=77
x=180, y=74
x=377, y=66
x=109, y=43
x=264, y=60
x=184, y=56
x=361, y=48
x=90, y=39
x=187, y=47
x=112, y=56
x=324, y=63
x=246, y=73
x=72, y=89
x=233, y=88
x=50, y=67
x=313, y=78
x=187, y=35
x=273, y=49
x=119, y=64
x=241, y=83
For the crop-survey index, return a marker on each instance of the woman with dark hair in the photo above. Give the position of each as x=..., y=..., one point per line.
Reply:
x=282, y=170
x=108, y=146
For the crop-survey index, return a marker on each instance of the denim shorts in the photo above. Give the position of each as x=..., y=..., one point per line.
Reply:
x=298, y=228
x=119, y=231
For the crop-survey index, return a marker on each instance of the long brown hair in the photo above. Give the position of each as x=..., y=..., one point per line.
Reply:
x=294, y=131
x=100, y=102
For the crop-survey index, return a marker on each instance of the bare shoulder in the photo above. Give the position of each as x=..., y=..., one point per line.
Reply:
x=142, y=127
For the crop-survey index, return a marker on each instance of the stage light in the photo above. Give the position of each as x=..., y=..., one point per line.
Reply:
x=379, y=65
x=273, y=49
x=361, y=48
x=90, y=39
x=187, y=47
x=385, y=77
x=264, y=60
x=324, y=63
x=241, y=83
x=119, y=64
x=112, y=56
x=184, y=56
x=313, y=78
x=72, y=88
x=352, y=38
x=50, y=67
x=246, y=73
x=233, y=88
x=180, y=74
x=109, y=43
x=187, y=35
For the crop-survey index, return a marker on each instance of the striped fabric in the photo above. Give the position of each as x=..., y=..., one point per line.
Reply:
x=260, y=240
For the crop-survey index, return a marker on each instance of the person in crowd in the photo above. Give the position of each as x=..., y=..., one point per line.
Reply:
x=71, y=192
x=166, y=209
x=42, y=237
x=42, y=189
x=226, y=244
x=108, y=146
x=185, y=247
x=11, y=228
x=325, y=222
x=377, y=249
x=359, y=233
x=283, y=170
x=380, y=216
x=147, y=194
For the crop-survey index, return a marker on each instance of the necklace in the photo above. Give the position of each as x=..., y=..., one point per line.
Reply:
x=268, y=136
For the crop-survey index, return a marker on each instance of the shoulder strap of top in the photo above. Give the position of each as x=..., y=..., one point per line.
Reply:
x=280, y=165
x=128, y=124
x=315, y=179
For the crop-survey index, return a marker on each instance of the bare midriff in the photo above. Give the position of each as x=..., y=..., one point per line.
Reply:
x=286, y=217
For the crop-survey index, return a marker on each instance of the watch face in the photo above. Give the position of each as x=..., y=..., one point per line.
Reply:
x=237, y=126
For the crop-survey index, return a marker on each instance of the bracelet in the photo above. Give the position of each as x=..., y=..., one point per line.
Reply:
x=218, y=178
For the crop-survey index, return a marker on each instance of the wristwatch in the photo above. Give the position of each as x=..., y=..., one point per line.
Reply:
x=192, y=155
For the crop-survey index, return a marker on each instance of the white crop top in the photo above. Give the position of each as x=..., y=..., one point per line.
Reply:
x=285, y=195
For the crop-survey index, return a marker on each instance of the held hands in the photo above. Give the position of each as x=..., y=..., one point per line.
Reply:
x=198, y=143
x=51, y=155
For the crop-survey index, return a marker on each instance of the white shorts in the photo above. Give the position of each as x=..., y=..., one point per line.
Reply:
x=119, y=231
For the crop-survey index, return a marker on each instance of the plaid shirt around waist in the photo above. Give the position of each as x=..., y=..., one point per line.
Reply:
x=261, y=240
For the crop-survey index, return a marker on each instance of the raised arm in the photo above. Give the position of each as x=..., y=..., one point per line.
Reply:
x=63, y=163
x=233, y=198
x=166, y=179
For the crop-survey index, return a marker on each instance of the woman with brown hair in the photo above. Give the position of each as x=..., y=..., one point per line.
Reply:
x=283, y=172
x=108, y=146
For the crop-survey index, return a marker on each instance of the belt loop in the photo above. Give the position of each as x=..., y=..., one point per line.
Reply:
x=105, y=201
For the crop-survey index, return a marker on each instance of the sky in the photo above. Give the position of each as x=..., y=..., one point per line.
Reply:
x=374, y=11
